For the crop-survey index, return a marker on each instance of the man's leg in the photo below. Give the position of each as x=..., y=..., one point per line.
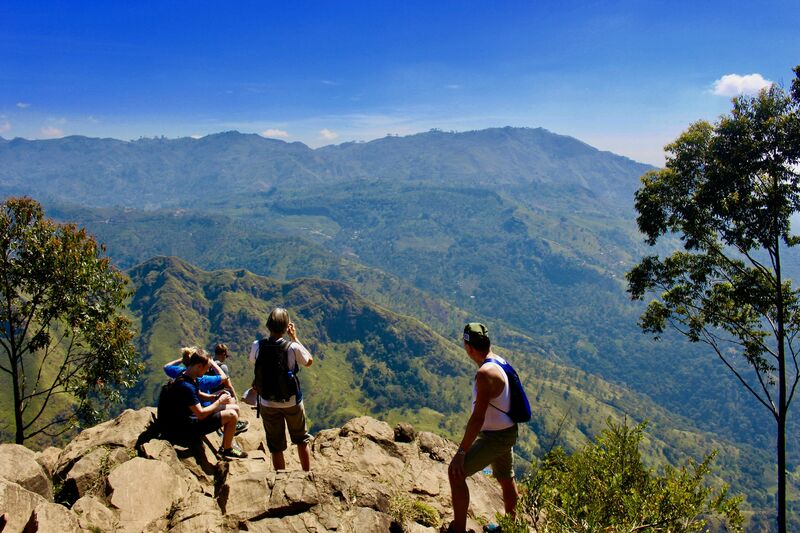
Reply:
x=298, y=431
x=305, y=457
x=510, y=494
x=459, y=492
x=229, y=419
x=278, y=461
x=275, y=429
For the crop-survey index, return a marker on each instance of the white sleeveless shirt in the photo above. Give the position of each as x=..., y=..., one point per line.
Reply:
x=496, y=417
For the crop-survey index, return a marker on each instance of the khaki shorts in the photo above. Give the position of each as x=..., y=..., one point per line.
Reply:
x=277, y=419
x=492, y=448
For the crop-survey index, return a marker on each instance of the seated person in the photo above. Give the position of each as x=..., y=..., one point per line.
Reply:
x=220, y=356
x=185, y=420
x=212, y=382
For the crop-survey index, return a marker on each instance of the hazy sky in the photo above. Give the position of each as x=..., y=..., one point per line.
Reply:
x=622, y=76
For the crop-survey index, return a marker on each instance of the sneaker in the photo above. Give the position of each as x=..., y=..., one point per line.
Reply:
x=241, y=426
x=233, y=453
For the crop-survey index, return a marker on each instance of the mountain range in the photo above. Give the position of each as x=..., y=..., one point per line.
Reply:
x=526, y=230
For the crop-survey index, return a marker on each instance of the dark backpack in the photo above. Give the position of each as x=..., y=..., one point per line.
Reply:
x=169, y=413
x=274, y=380
x=520, y=407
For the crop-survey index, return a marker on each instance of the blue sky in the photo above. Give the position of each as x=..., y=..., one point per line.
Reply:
x=622, y=76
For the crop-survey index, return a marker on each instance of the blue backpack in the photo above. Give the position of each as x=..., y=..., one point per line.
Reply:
x=520, y=407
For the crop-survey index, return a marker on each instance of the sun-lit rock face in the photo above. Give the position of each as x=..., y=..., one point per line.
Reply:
x=118, y=476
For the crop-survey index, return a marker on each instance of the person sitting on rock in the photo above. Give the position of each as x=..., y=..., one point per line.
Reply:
x=183, y=417
x=211, y=383
x=220, y=356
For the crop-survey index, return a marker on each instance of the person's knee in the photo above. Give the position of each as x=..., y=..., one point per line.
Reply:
x=229, y=415
x=456, y=478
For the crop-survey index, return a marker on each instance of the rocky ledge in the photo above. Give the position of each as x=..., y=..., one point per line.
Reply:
x=115, y=477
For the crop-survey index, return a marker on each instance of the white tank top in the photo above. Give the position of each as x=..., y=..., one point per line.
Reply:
x=496, y=417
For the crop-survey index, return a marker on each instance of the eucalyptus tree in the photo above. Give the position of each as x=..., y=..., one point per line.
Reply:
x=66, y=344
x=728, y=192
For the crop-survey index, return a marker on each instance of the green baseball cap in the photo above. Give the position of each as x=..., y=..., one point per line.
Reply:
x=474, y=331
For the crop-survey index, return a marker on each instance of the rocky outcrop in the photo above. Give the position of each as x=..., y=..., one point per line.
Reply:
x=18, y=464
x=116, y=477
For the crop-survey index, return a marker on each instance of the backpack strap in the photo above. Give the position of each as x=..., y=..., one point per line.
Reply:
x=508, y=382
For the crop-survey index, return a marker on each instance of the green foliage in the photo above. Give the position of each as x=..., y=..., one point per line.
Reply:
x=405, y=509
x=728, y=191
x=62, y=327
x=606, y=486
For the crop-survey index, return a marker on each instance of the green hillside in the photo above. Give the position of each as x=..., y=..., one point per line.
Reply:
x=370, y=360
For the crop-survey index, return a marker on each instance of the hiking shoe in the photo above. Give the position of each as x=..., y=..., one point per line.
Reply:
x=233, y=453
x=241, y=426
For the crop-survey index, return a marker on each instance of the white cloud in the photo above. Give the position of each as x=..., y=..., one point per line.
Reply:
x=196, y=136
x=51, y=132
x=275, y=133
x=327, y=134
x=93, y=119
x=5, y=126
x=23, y=105
x=735, y=85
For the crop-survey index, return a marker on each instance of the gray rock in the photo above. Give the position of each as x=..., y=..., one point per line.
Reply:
x=93, y=514
x=18, y=465
x=257, y=495
x=19, y=503
x=143, y=491
x=88, y=475
x=54, y=518
x=48, y=458
x=436, y=447
x=196, y=514
x=404, y=433
x=375, y=430
x=302, y=523
x=123, y=432
x=362, y=519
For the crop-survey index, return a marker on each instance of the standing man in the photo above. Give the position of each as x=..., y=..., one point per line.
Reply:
x=277, y=362
x=490, y=434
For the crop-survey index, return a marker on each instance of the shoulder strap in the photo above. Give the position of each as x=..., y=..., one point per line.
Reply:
x=508, y=382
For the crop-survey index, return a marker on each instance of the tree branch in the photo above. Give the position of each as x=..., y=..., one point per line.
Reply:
x=740, y=378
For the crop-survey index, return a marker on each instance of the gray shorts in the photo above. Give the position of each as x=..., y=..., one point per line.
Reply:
x=277, y=419
x=492, y=448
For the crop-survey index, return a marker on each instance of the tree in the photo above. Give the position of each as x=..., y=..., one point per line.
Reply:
x=728, y=192
x=604, y=486
x=63, y=334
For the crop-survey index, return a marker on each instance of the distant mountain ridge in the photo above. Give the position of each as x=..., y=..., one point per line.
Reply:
x=172, y=172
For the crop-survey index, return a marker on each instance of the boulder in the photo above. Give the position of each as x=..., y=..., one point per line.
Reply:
x=404, y=432
x=196, y=514
x=142, y=491
x=18, y=465
x=48, y=458
x=302, y=523
x=363, y=519
x=258, y=495
x=94, y=515
x=436, y=447
x=124, y=431
x=19, y=503
x=50, y=517
x=375, y=430
x=161, y=450
x=88, y=474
